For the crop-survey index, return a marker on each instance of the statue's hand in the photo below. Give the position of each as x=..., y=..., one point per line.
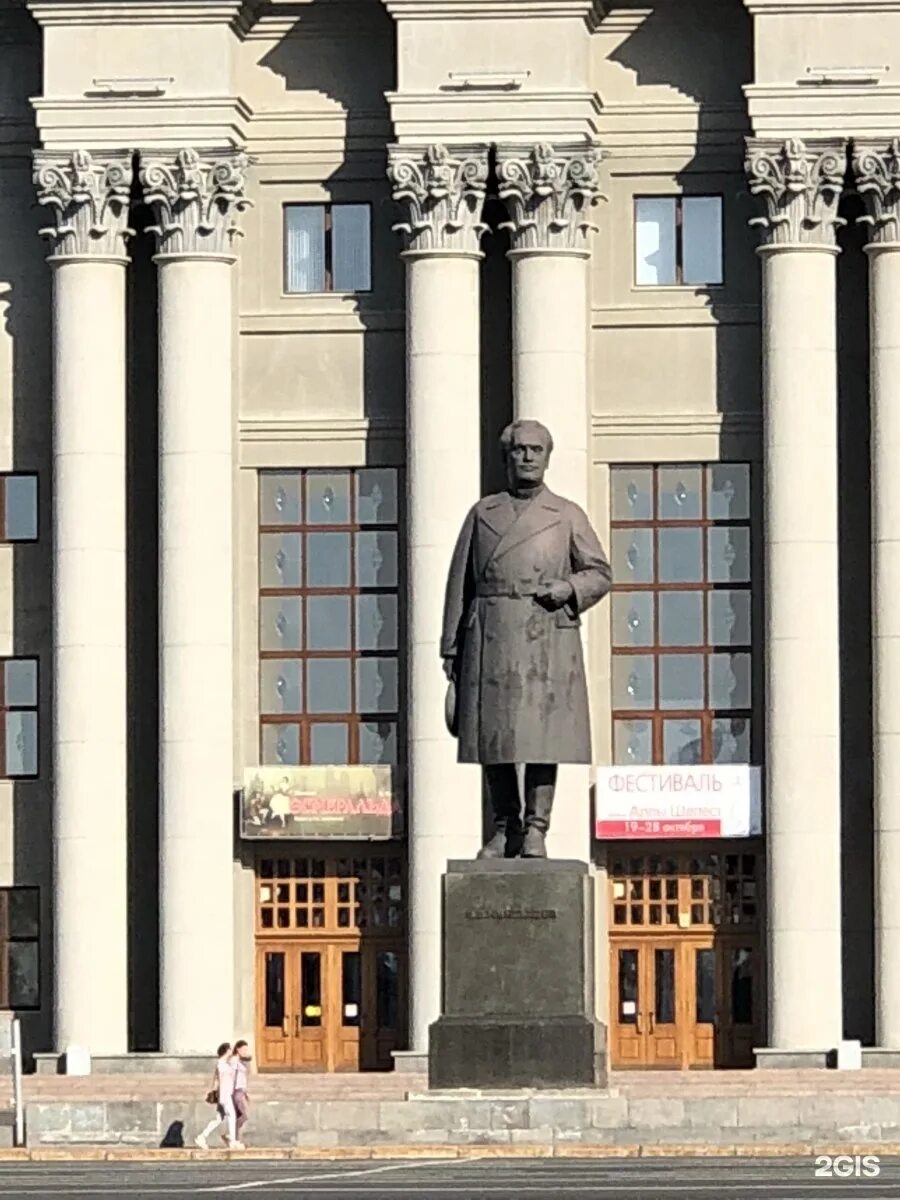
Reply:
x=555, y=594
x=449, y=666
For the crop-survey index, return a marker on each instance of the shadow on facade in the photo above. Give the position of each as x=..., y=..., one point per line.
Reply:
x=706, y=53
x=142, y=601
x=26, y=312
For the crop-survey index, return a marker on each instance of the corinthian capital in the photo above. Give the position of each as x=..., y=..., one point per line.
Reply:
x=196, y=200
x=88, y=200
x=877, y=169
x=443, y=194
x=549, y=193
x=799, y=185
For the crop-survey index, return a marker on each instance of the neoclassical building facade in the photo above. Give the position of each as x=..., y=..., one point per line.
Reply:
x=274, y=275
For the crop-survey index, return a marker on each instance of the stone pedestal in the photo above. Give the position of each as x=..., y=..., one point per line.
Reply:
x=518, y=978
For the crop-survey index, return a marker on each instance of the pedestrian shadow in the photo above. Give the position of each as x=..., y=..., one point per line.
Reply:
x=173, y=1137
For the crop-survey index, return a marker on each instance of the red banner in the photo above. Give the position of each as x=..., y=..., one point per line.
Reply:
x=652, y=829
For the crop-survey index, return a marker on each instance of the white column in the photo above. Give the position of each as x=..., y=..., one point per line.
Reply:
x=800, y=185
x=195, y=201
x=549, y=192
x=89, y=200
x=877, y=168
x=443, y=196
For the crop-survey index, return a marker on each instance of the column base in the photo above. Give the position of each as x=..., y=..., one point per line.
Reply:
x=880, y=1057
x=140, y=1062
x=771, y=1058
x=410, y=1062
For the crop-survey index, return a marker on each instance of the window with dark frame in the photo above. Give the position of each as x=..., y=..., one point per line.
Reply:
x=682, y=654
x=18, y=507
x=19, y=705
x=678, y=241
x=327, y=248
x=330, y=680
x=20, y=974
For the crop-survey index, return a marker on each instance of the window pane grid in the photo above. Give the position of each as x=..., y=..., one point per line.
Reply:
x=347, y=705
x=681, y=694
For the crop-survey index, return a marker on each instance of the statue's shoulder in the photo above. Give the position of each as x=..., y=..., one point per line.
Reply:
x=486, y=503
x=569, y=507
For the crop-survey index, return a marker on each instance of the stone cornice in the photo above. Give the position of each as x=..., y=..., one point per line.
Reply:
x=196, y=200
x=876, y=166
x=237, y=13
x=799, y=185
x=590, y=11
x=89, y=200
x=549, y=192
x=442, y=191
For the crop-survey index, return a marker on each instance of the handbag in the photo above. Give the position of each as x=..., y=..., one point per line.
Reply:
x=212, y=1096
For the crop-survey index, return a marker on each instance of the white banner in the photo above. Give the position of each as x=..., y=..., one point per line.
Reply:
x=678, y=802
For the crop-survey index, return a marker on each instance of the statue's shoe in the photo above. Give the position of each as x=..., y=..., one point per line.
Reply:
x=534, y=845
x=495, y=847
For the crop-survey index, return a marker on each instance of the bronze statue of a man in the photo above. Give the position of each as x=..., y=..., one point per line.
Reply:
x=526, y=565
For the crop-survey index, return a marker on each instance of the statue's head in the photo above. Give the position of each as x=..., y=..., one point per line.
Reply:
x=526, y=447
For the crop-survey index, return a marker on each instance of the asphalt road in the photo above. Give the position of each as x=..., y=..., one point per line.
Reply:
x=505, y=1179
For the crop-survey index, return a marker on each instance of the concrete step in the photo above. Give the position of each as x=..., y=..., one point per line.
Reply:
x=262, y=1086
x=614, y=1117
x=696, y=1083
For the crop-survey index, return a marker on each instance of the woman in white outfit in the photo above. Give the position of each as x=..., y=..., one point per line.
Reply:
x=223, y=1086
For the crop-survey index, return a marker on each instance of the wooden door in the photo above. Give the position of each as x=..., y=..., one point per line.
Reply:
x=701, y=1001
x=346, y=1007
x=627, y=1033
x=647, y=1003
x=384, y=1004
x=312, y=986
x=663, y=997
x=275, y=1046
x=740, y=974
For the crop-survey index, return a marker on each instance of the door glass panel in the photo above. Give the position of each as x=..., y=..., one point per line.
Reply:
x=274, y=1002
x=742, y=986
x=311, y=988
x=351, y=987
x=388, y=988
x=706, y=986
x=664, y=975
x=628, y=987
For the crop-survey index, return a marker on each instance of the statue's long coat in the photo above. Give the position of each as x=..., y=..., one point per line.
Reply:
x=521, y=687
